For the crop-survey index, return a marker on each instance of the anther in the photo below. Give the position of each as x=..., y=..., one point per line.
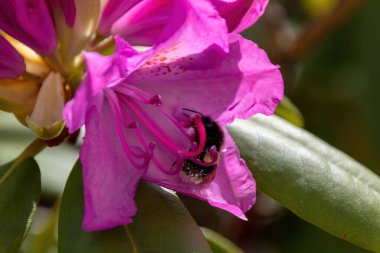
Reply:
x=156, y=100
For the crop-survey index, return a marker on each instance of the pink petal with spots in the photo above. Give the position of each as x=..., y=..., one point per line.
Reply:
x=29, y=22
x=238, y=85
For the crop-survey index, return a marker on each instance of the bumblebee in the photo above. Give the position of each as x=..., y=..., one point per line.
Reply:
x=202, y=169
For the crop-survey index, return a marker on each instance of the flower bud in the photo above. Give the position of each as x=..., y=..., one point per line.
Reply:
x=46, y=120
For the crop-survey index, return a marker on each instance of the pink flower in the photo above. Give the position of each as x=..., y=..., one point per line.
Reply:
x=143, y=116
x=141, y=22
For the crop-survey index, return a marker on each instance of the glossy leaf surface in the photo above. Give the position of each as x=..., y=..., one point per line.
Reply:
x=314, y=180
x=20, y=188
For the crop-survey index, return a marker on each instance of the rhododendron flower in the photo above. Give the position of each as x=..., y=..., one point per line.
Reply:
x=142, y=113
x=145, y=113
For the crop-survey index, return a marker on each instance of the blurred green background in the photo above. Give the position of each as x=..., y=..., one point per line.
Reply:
x=335, y=84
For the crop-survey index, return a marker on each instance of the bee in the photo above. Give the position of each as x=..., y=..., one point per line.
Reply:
x=202, y=169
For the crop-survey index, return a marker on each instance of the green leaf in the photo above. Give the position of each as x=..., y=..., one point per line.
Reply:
x=314, y=180
x=45, y=241
x=218, y=243
x=161, y=225
x=287, y=110
x=20, y=189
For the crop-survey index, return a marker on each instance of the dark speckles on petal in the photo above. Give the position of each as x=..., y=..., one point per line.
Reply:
x=166, y=62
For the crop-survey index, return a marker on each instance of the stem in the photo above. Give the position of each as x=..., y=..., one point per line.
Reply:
x=30, y=151
x=56, y=64
x=103, y=45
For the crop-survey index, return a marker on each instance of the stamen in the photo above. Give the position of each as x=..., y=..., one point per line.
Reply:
x=176, y=123
x=146, y=98
x=142, y=96
x=126, y=117
x=126, y=94
x=163, y=169
x=156, y=100
x=161, y=135
x=214, y=156
x=128, y=123
x=131, y=125
x=129, y=153
x=180, y=162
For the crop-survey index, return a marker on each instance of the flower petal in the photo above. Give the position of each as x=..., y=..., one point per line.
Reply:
x=110, y=181
x=11, y=64
x=236, y=86
x=194, y=19
x=233, y=188
x=29, y=22
x=240, y=14
x=102, y=72
x=144, y=22
x=152, y=22
x=112, y=11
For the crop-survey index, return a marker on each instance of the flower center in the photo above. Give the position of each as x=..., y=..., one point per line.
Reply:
x=142, y=113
